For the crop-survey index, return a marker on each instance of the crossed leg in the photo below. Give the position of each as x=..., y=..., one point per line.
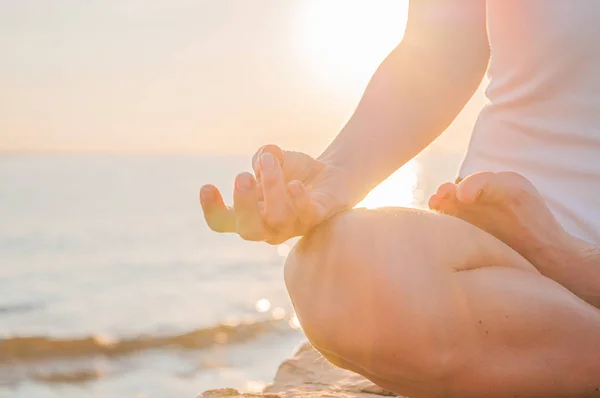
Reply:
x=428, y=305
x=508, y=206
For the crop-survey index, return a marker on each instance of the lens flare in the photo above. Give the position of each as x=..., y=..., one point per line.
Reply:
x=263, y=305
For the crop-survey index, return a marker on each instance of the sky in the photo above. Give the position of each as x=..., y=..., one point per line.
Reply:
x=191, y=76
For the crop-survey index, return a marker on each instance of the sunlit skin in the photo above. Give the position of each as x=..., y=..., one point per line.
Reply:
x=508, y=206
x=278, y=203
x=425, y=304
x=428, y=305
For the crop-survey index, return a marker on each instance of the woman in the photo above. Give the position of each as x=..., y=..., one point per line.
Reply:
x=424, y=303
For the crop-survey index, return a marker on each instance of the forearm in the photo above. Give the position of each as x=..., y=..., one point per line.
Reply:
x=412, y=98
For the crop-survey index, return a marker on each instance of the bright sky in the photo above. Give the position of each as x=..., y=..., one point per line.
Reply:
x=222, y=76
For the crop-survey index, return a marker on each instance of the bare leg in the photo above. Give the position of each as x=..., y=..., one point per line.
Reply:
x=508, y=206
x=428, y=305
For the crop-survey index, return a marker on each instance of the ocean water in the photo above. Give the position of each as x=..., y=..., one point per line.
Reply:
x=112, y=286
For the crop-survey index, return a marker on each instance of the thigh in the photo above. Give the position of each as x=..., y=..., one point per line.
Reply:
x=522, y=335
x=419, y=301
x=386, y=275
x=391, y=257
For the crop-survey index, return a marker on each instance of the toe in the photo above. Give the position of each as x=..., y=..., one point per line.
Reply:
x=446, y=190
x=478, y=187
x=439, y=200
x=444, y=200
x=508, y=188
x=434, y=202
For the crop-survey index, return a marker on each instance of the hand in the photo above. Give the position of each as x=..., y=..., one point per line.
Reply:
x=289, y=194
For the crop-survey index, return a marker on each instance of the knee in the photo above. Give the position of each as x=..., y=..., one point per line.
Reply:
x=317, y=280
x=344, y=300
x=309, y=273
x=317, y=267
x=312, y=252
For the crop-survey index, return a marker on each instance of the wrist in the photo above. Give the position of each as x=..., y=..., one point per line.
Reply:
x=352, y=177
x=347, y=185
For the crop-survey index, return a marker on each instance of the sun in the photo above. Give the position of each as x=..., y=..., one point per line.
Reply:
x=343, y=41
x=342, y=44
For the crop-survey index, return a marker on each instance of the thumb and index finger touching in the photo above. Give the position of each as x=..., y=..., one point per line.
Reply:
x=306, y=209
x=281, y=201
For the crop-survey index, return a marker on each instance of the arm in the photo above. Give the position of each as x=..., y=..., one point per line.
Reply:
x=414, y=95
x=416, y=92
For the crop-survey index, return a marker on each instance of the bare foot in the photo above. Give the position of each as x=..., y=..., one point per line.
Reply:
x=508, y=206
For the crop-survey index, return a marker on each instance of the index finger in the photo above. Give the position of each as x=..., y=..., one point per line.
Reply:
x=272, y=149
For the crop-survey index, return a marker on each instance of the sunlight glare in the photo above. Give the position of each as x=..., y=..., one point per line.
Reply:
x=278, y=313
x=399, y=190
x=253, y=386
x=104, y=340
x=263, y=305
x=345, y=40
x=295, y=322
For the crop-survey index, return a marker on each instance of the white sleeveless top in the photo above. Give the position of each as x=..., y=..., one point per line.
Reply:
x=543, y=120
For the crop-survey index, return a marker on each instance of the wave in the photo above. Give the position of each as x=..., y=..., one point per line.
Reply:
x=43, y=348
x=24, y=307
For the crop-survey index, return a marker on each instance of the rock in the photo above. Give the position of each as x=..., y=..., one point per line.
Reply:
x=230, y=392
x=308, y=374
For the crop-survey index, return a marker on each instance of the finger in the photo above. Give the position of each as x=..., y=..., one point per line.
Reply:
x=218, y=216
x=249, y=223
x=272, y=149
x=278, y=209
x=307, y=211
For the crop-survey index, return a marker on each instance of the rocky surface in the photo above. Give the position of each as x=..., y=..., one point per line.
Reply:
x=308, y=374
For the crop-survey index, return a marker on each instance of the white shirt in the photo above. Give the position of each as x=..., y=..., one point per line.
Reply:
x=543, y=120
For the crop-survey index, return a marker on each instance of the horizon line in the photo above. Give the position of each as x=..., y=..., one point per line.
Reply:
x=103, y=152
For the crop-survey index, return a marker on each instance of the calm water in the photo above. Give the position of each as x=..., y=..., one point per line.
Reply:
x=112, y=286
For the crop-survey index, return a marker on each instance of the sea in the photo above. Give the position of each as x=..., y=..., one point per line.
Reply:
x=111, y=285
